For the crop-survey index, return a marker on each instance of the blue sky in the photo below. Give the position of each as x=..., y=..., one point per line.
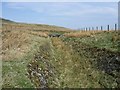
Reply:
x=68, y=14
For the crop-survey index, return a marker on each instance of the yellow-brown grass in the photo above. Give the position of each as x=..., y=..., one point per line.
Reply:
x=81, y=33
x=41, y=34
x=15, y=44
x=40, y=27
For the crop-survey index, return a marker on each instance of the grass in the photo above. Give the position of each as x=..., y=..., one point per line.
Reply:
x=62, y=62
x=75, y=70
x=109, y=40
x=33, y=27
x=75, y=60
x=94, y=60
x=42, y=67
x=15, y=69
x=103, y=40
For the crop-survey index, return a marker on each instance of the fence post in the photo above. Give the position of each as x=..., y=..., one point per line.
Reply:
x=115, y=27
x=96, y=28
x=108, y=27
x=86, y=29
x=89, y=28
x=92, y=28
x=101, y=28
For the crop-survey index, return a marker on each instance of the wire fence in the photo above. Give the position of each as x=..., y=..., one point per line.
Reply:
x=101, y=28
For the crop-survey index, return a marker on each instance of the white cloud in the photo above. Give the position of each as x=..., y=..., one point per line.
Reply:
x=66, y=9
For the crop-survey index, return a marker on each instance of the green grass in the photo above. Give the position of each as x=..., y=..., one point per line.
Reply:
x=15, y=71
x=102, y=40
x=72, y=62
x=76, y=70
x=87, y=54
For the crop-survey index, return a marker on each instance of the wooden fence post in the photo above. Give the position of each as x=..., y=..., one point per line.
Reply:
x=108, y=27
x=101, y=28
x=92, y=28
x=115, y=27
x=86, y=29
x=89, y=28
x=96, y=28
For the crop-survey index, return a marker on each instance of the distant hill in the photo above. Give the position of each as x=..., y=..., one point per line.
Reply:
x=36, y=27
x=6, y=21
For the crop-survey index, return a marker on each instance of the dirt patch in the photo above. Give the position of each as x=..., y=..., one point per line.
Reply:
x=41, y=71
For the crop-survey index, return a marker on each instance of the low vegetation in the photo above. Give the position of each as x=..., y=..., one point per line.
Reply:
x=32, y=58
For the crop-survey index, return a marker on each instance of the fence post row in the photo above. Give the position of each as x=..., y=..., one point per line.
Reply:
x=101, y=28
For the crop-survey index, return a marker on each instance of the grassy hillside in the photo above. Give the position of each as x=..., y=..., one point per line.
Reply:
x=8, y=25
x=74, y=60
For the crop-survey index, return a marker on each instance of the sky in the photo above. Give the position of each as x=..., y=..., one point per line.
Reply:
x=73, y=15
x=119, y=16
x=60, y=0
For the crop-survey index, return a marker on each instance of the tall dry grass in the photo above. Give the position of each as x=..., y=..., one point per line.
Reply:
x=82, y=33
x=34, y=27
x=41, y=34
x=14, y=44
